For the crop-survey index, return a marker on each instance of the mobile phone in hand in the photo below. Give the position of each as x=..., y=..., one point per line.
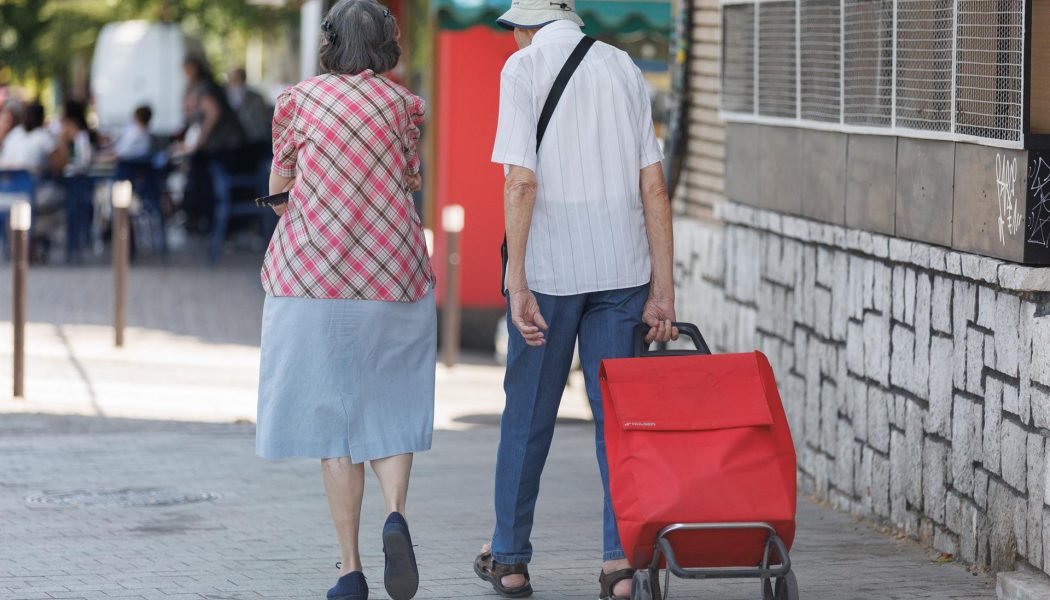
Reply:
x=272, y=201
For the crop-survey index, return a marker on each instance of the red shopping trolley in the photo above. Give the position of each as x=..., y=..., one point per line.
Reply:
x=701, y=466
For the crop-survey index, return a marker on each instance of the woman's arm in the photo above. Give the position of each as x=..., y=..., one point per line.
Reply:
x=278, y=185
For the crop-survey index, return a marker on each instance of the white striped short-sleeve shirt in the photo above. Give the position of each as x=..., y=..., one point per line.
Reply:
x=588, y=226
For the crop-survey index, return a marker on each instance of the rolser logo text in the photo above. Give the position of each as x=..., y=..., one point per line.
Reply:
x=640, y=424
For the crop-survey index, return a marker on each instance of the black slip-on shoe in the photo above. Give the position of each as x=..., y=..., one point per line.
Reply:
x=401, y=575
x=351, y=586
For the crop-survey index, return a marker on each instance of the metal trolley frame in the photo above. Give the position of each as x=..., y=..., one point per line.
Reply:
x=777, y=580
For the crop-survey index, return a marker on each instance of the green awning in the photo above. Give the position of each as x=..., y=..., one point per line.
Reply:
x=603, y=17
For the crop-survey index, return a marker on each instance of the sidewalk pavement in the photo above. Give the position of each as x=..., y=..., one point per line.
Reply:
x=171, y=412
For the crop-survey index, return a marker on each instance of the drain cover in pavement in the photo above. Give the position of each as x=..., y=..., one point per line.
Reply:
x=120, y=498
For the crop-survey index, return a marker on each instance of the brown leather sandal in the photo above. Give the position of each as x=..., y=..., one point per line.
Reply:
x=493, y=572
x=608, y=582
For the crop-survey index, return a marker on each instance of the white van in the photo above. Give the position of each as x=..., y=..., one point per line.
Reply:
x=136, y=63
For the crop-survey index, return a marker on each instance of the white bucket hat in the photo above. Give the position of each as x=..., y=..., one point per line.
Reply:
x=532, y=14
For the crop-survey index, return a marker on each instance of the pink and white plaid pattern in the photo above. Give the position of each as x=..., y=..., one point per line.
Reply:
x=351, y=230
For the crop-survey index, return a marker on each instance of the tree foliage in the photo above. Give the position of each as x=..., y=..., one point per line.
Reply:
x=41, y=39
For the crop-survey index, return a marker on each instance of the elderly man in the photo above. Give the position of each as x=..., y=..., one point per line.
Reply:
x=589, y=256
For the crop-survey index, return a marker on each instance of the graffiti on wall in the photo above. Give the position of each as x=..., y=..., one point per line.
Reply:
x=1039, y=193
x=1011, y=211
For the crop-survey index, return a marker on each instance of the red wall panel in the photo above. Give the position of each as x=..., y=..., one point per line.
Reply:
x=469, y=63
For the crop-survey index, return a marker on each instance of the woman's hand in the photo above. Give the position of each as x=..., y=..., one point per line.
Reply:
x=280, y=209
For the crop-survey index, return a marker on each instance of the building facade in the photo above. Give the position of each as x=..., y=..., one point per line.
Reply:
x=865, y=200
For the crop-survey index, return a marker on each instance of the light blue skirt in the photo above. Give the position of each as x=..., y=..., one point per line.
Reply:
x=346, y=378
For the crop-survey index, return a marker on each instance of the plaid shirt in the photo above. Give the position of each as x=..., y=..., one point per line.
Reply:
x=351, y=229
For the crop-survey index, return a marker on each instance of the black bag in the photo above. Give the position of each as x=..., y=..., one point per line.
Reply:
x=551, y=103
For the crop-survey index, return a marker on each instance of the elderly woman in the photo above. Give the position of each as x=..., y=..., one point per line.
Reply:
x=349, y=325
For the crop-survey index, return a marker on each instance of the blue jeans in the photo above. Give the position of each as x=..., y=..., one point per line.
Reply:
x=534, y=383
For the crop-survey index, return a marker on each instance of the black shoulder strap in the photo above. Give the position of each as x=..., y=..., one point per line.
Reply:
x=559, y=85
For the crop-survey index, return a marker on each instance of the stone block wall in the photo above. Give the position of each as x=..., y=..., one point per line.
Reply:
x=916, y=378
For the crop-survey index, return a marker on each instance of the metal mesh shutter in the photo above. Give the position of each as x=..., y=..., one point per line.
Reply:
x=738, y=58
x=924, y=64
x=990, y=72
x=941, y=69
x=776, y=60
x=821, y=53
x=868, y=69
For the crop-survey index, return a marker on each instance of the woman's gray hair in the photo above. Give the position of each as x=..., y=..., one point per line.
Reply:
x=359, y=35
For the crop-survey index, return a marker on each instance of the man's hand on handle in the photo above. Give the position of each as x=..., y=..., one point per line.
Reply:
x=659, y=315
x=525, y=315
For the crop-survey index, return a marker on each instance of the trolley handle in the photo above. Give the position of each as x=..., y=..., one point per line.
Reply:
x=642, y=349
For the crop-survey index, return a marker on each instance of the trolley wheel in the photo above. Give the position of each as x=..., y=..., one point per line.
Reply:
x=654, y=584
x=767, y=590
x=787, y=587
x=640, y=586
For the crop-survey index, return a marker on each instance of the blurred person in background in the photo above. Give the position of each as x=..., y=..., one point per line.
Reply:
x=78, y=136
x=31, y=146
x=213, y=133
x=135, y=141
x=348, y=256
x=255, y=113
x=10, y=117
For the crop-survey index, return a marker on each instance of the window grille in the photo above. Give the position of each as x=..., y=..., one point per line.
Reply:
x=990, y=68
x=738, y=58
x=776, y=60
x=943, y=69
x=924, y=64
x=821, y=55
x=868, y=71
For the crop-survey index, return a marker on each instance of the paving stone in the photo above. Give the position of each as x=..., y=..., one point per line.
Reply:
x=953, y=262
x=967, y=439
x=1041, y=349
x=1036, y=496
x=900, y=298
x=1040, y=400
x=1014, y=448
x=1007, y=351
x=845, y=458
x=855, y=287
x=881, y=293
x=914, y=444
x=939, y=417
x=941, y=316
x=879, y=419
x=975, y=361
x=855, y=348
x=880, y=484
x=963, y=311
x=1012, y=402
x=857, y=396
x=1022, y=585
x=877, y=347
x=1007, y=536
x=910, y=299
x=986, y=307
x=993, y=426
x=840, y=297
x=902, y=361
x=829, y=410
x=934, y=490
x=900, y=250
